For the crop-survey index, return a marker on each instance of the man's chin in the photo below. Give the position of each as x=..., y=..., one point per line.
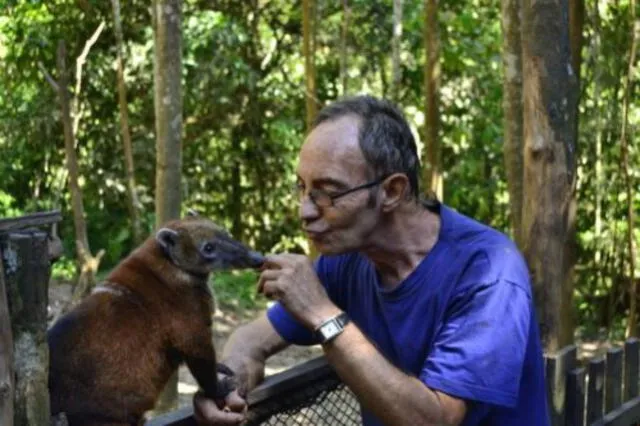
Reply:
x=326, y=249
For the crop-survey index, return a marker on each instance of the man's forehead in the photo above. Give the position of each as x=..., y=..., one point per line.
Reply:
x=332, y=150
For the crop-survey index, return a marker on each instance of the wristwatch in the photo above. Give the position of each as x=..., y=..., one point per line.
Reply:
x=331, y=328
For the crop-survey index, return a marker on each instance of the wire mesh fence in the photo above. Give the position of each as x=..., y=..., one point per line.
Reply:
x=308, y=394
x=315, y=405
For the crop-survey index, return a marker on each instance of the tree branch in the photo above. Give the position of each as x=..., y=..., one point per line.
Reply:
x=48, y=77
x=80, y=61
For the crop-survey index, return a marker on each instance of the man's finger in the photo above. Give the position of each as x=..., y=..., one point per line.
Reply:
x=267, y=275
x=207, y=413
x=275, y=261
x=235, y=402
x=271, y=290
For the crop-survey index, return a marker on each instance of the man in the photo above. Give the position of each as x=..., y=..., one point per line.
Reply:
x=424, y=313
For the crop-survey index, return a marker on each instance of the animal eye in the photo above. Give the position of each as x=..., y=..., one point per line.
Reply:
x=208, y=248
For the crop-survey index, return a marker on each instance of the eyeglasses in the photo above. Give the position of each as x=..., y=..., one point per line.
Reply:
x=324, y=199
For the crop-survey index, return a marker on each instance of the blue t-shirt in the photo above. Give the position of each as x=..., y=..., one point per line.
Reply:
x=463, y=321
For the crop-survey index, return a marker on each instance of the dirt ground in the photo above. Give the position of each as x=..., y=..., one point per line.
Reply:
x=225, y=321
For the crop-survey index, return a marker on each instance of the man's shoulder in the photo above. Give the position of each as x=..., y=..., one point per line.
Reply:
x=488, y=254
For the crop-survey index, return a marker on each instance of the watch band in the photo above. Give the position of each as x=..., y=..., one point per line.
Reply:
x=331, y=328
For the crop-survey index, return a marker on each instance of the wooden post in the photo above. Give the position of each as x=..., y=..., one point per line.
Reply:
x=631, y=368
x=6, y=356
x=595, y=390
x=557, y=367
x=575, y=397
x=613, y=380
x=26, y=277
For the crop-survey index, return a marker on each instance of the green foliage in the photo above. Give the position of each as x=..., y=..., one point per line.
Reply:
x=64, y=269
x=243, y=84
x=237, y=290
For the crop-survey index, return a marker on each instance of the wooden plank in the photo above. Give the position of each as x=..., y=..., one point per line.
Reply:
x=613, y=380
x=625, y=415
x=557, y=369
x=595, y=390
x=631, y=368
x=575, y=397
x=6, y=355
x=29, y=221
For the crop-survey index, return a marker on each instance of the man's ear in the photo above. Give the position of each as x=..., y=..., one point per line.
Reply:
x=396, y=188
x=167, y=238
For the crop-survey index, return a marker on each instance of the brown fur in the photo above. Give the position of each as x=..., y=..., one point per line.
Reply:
x=112, y=355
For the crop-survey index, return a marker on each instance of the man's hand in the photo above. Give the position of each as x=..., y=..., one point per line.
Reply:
x=291, y=280
x=208, y=413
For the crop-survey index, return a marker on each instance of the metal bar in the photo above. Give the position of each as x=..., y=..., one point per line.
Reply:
x=625, y=415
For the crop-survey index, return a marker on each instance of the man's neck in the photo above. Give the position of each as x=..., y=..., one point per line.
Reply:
x=401, y=242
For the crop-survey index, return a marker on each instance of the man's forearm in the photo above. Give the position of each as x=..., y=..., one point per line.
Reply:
x=247, y=350
x=392, y=396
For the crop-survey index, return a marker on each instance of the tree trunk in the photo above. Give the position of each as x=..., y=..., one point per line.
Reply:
x=576, y=25
x=344, y=48
x=167, y=17
x=433, y=168
x=7, y=384
x=632, y=326
x=396, y=70
x=599, y=187
x=548, y=219
x=309, y=50
x=133, y=202
x=88, y=264
x=512, y=107
x=236, y=186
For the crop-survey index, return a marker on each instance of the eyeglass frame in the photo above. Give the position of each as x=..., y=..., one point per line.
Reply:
x=332, y=197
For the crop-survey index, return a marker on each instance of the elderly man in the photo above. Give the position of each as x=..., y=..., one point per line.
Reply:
x=426, y=314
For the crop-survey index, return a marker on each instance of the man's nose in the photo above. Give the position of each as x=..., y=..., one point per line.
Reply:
x=308, y=210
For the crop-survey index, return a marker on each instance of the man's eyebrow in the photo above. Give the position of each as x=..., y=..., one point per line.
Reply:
x=326, y=181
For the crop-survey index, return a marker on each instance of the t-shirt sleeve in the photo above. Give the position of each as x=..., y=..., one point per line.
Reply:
x=479, y=352
x=288, y=327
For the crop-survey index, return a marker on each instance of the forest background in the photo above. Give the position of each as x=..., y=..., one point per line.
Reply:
x=94, y=123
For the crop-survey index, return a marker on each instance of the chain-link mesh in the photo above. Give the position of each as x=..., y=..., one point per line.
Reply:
x=326, y=401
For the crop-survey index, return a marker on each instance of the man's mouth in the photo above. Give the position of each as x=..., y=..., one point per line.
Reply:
x=315, y=235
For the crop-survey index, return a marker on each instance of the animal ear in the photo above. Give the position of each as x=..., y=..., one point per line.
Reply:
x=167, y=238
x=192, y=213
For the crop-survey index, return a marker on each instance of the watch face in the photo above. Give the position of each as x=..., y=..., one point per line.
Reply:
x=330, y=329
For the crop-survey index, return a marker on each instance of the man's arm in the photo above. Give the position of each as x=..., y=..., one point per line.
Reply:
x=245, y=353
x=247, y=350
x=391, y=395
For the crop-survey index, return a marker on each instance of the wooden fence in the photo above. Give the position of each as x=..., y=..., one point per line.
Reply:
x=601, y=391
